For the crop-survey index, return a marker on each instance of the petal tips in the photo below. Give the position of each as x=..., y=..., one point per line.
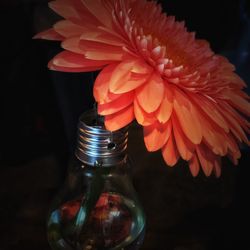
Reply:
x=120, y=119
x=151, y=94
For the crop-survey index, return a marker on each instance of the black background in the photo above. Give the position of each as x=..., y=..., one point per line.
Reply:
x=39, y=115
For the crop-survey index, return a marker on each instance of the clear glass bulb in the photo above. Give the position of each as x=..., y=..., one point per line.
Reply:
x=98, y=207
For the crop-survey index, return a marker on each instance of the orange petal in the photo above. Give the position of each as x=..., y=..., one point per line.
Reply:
x=151, y=94
x=235, y=79
x=118, y=104
x=234, y=157
x=101, y=51
x=99, y=11
x=170, y=152
x=69, y=59
x=232, y=144
x=49, y=34
x=72, y=44
x=126, y=77
x=184, y=146
x=68, y=29
x=187, y=117
x=120, y=119
x=217, y=167
x=210, y=109
x=141, y=116
x=213, y=135
x=76, y=12
x=234, y=122
x=165, y=110
x=194, y=165
x=239, y=102
x=102, y=36
x=65, y=9
x=156, y=135
x=87, y=18
x=52, y=66
x=206, y=158
x=101, y=86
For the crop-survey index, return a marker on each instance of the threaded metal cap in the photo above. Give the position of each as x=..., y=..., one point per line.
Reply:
x=97, y=146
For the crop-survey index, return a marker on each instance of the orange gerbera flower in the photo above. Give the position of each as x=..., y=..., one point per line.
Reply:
x=188, y=100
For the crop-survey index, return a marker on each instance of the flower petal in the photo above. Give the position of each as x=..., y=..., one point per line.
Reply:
x=99, y=11
x=72, y=44
x=72, y=60
x=239, y=102
x=126, y=77
x=151, y=94
x=210, y=109
x=49, y=34
x=206, y=158
x=170, y=152
x=156, y=135
x=65, y=9
x=118, y=104
x=187, y=117
x=120, y=119
x=234, y=121
x=217, y=167
x=68, y=29
x=102, y=36
x=101, y=51
x=101, y=86
x=52, y=66
x=141, y=116
x=194, y=165
x=184, y=146
x=165, y=110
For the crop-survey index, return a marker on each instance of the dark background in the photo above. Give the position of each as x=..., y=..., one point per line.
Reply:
x=38, y=127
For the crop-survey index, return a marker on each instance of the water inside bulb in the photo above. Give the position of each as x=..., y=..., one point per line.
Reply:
x=115, y=222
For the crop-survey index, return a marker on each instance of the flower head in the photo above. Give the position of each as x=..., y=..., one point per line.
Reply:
x=188, y=99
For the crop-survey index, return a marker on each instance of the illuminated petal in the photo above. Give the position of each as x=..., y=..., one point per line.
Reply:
x=170, y=152
x=101, y=86
x=156, y=135
x=54, y=67
x=125, y=77
x=116, y=105
x=120, y=119
x=103, y=37
x=101, y=51
x=210, y=110
x=151, y=94
x=72, y=60
x=165, y=110
x=141, y=116
x=187, y=117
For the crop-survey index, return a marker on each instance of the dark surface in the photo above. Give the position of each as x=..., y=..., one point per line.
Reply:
x=37, y=135
x=182, y=212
